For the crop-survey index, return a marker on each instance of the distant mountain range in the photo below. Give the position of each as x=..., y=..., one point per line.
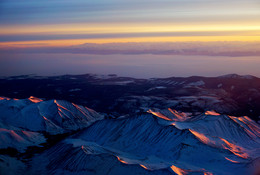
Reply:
x=116, y=96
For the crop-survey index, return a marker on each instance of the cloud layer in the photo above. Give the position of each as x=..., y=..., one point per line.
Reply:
x=234, y=49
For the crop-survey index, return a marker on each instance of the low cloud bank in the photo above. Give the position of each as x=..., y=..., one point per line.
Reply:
x=233, y=49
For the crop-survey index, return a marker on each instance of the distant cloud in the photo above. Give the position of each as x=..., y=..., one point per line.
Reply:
x=234, y=49
x=48, y=36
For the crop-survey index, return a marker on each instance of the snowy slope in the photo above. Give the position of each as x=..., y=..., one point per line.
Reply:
x=53, y=116
x=24, y=123
x=158, y=147
x=240, y=135
x=19, y=139
x=162, y=142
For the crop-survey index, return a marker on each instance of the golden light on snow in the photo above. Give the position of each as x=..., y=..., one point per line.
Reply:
x=122, y=161
x=178, y=171
x=235, y=149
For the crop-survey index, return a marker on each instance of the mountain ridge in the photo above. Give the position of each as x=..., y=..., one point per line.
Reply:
x=159, y=142
x=230, y=94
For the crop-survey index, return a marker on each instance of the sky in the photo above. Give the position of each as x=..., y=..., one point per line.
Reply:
x=133, y=29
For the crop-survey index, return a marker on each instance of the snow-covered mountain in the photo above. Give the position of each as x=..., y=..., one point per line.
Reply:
x=52, y=116
x=28, y=122
x=158, y=142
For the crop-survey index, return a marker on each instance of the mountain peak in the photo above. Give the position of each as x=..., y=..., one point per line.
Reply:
x=51, y=116
x=236, y=76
